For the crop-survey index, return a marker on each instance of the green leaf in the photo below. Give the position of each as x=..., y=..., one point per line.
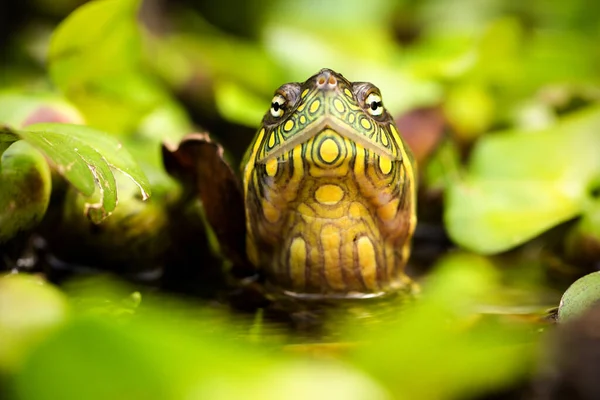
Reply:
x=239, y=105
x=19, y=109
x=85, y=156
x=582, y=243
x=94, y=58
x=489, y=216
x=443, y=166
x=469, y=109
x=111, y=150
x=305, y=52
x=29, y=310
x=443, y=338
x=353, y=40
x=580, y=296
x=6, y=139
x=520, y=184
x=172, y=350
x=85, y=42
x=113, y=380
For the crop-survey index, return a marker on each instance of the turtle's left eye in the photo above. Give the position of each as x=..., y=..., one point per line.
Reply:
x=277, y=106
x=374, y=104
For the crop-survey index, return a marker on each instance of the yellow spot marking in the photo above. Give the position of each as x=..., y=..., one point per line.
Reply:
x=317, y=171
x=314, y=106
x=297, y=262
x=304, y=93
x=271, y=167
x=302, y=119
x=301, y=107
x=355, y=107
x=359, y=162
x=329, y=194
x=258, y=140
x=272, y=139
x=270, y=211
x=289, y=124
x=367, y=262
x=385, y=164
x=365, y=123
x=395, y=133
x=339, y=106
x=396, y=138
x=305, y=210
x=331, y=241
x=348, y=92
x=357, y=210
x=250, y=162
x=351, y=118
x=388, y=212
x=384, y=138
x=329, y=150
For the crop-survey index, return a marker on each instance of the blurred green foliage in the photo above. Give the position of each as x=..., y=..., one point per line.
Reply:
x=94, y=59
x=90, y=90
x=114, y=347
x=521, y=183
x=29, y=310
x=495, y=65
x=442, y=347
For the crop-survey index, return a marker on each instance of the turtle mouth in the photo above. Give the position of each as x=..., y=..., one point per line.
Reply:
x=327, y=122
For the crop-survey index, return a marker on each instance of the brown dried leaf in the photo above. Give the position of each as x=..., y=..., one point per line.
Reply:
x=423, y=130
x=198, y=163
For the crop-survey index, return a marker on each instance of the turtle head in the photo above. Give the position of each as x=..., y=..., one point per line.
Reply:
x=326, y=100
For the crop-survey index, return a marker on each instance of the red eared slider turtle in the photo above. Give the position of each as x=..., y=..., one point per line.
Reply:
x=326, y=204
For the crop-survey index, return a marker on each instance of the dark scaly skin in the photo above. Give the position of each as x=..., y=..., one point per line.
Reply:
x=329, y=189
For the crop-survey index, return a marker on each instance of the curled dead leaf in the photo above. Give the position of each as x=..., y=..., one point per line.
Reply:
x=198, y=164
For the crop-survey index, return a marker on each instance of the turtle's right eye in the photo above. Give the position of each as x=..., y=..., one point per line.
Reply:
x=374, y=104
x=277, y=106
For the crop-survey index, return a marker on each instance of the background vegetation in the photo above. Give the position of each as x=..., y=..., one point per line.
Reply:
x=114, y=285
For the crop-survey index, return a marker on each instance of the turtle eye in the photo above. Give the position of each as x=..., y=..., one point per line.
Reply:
x=374, y=104
x=277, y=106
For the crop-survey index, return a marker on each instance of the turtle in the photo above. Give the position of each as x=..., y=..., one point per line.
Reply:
x=324, y=205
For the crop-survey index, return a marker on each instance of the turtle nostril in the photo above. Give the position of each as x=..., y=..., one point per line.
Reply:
x=326, y=80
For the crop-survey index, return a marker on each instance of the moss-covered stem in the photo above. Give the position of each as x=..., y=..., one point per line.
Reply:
x=25, y=187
